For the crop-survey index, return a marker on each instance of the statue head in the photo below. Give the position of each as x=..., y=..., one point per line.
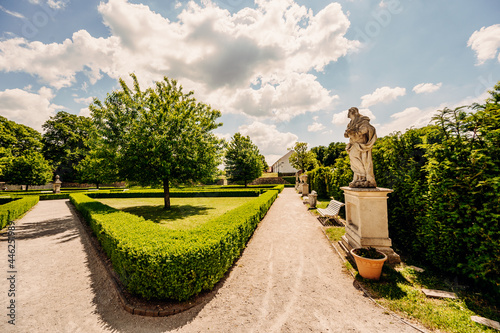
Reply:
x=353, y=113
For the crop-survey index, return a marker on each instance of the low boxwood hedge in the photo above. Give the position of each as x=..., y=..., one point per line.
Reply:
x=15, y=208
x=156, y=262
x=175, y=194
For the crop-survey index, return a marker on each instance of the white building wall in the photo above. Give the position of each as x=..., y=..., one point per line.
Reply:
x=283, y=164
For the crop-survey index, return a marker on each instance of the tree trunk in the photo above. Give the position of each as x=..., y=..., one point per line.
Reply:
x=166, y=194
x=245, y=183
x=27, y=188
x=97, y=185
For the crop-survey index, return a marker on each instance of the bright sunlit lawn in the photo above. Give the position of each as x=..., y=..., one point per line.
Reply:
x=185, y=213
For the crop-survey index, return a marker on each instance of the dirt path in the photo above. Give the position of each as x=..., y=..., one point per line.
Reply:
x=289, y=279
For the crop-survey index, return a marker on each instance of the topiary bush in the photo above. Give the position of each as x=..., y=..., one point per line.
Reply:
x=156, y=262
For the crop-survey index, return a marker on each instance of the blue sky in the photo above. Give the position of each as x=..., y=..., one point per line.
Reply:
x=280, y=71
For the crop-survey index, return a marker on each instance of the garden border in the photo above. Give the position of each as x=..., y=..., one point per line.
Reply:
x=233, y=238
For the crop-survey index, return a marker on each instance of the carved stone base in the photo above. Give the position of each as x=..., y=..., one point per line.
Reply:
x=366, y=217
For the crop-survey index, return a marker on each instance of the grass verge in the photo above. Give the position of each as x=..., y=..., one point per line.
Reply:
x=400, y=290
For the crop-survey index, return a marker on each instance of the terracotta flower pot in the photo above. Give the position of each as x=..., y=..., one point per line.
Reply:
x=369, y=268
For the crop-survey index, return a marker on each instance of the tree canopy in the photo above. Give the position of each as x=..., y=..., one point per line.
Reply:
x=157, y=136
x=20, y=159
x=243, y=160
x=302, y=158
x=65, y=142
x=30, y=169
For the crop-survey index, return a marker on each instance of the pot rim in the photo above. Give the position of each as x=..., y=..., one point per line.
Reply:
x=381, y=259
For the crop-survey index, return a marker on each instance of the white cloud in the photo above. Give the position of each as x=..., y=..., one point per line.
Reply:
x=30, y=109
x=268, y=138
x=485, y=42
x=57, y=64
x=427, y=88
x=56, y=4
x=84, y=100
x=416, y=117
x=84, y=112
x=230, y=60
x=315, y=127
x=342, y=119
x=382, y=95
x=289, y=97
x=10, y=12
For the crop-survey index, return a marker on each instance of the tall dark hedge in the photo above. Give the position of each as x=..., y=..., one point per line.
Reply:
x=445, y=208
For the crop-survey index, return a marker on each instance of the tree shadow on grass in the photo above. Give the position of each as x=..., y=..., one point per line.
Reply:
x=176, y=212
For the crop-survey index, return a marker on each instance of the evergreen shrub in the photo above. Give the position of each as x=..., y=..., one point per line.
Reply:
x=15, y=208
x=161, y=263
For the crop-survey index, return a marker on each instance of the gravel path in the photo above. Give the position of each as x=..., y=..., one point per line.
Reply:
x=289, y=279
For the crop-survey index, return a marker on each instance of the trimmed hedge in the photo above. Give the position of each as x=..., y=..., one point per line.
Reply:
x=12, y=210
x=175, y=194
x=54, y=196
x=156, y=262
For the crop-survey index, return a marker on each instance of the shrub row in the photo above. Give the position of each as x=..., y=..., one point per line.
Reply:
x=444, y=212
x=289, y=179
x=155, y=262
x=13, y=209
x=181, y=194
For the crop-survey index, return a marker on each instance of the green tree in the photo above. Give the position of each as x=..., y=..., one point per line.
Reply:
x=320, y=153
x=157, y=136
x=65, y=142
x=242, y=159
x=95, y=170
x=29, y=169
x=302, y=158
x=265, y=166
x=333, y=152
x=16, y=140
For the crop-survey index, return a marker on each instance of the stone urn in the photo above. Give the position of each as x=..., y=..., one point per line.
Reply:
x=57, y=185
x=369, y=262
x=303, y=178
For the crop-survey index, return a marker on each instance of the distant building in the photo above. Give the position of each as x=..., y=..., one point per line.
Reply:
x=283, y=164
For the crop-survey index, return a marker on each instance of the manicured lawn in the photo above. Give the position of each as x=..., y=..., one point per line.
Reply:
x=185, y=213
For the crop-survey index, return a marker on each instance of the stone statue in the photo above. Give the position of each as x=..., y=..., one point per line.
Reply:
x=361, y=136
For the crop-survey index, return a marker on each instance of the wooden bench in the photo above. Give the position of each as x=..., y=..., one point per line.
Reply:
x=330, y=212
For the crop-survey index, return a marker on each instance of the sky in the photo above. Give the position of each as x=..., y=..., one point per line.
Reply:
x=280, y=71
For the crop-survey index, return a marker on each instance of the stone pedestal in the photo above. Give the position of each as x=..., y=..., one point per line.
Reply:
x=367, y=222
x=304, y=189
x=57, y=185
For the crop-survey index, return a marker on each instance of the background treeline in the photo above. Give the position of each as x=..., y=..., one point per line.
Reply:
x=445, y=209
x=30, y=158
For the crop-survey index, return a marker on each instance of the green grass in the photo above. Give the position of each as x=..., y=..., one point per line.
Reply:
x=399, y=290
x=335, y=233
x=269, y=175
x=185, y=213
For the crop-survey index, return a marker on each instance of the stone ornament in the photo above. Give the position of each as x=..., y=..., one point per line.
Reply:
x=362, y=137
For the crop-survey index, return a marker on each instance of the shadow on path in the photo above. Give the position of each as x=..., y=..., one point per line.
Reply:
x=58, y=226
x=106, y=301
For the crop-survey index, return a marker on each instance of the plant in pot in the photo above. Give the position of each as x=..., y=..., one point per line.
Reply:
x=369, y=262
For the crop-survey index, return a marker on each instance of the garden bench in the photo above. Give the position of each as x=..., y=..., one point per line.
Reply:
x=330, y=212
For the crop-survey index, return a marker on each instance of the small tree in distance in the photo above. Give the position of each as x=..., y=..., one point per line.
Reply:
x=243, y=160
x=302, y=158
